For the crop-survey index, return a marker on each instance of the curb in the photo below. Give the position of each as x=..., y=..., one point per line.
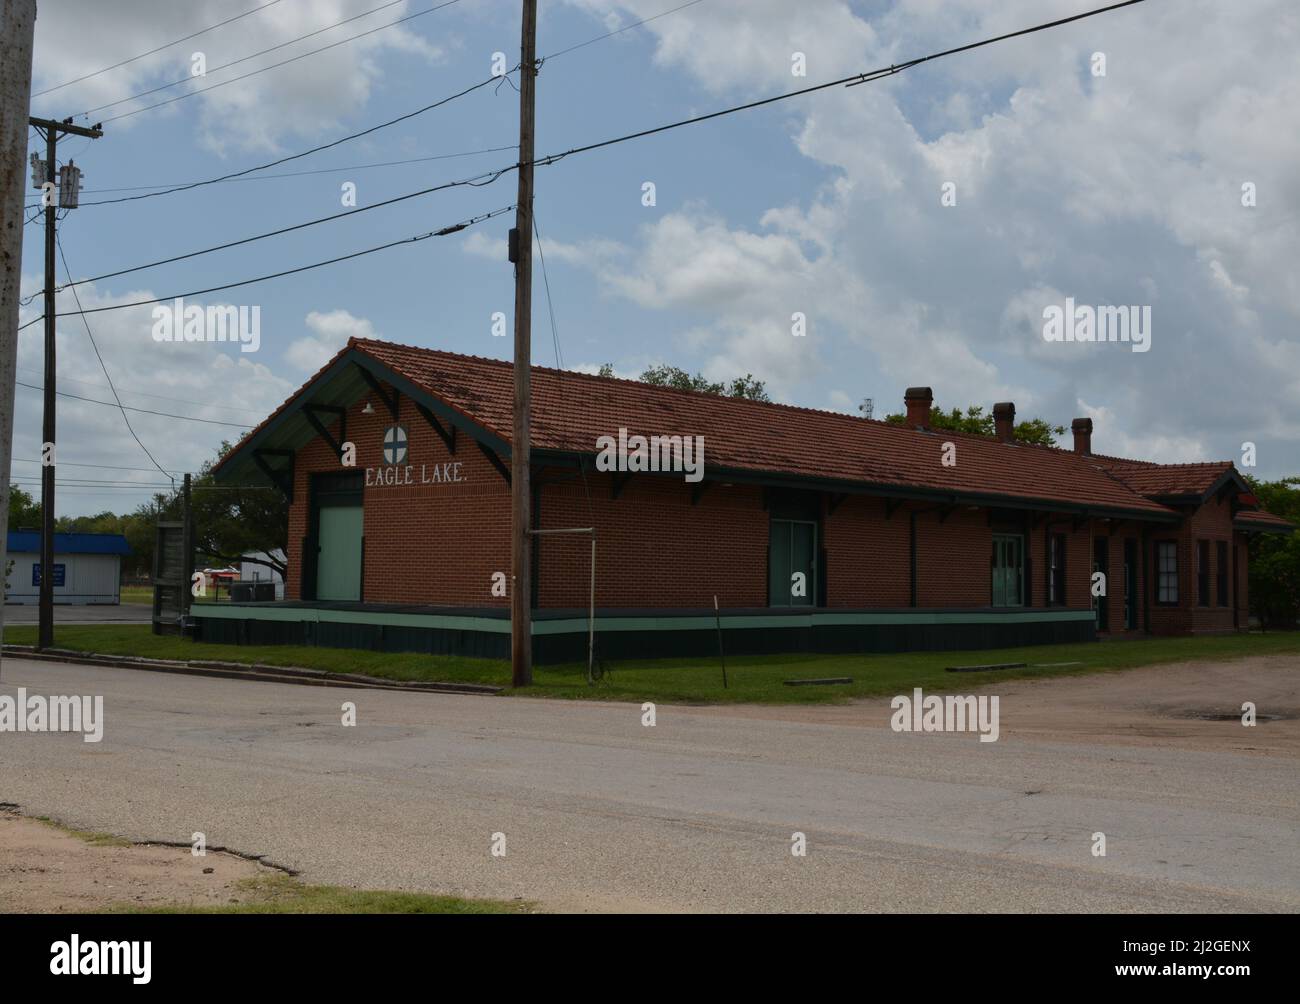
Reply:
x=245, y=671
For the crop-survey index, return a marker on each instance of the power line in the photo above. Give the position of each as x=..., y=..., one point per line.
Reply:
x=851, y=81
x=102, y=467
x=95, y=483
x=559, y=355
x=297, y=156
x=551, y=159
x=323, y=170
x=478, y=181
x=619, y=31
x=140, y=393
x=264, y=69
x=90, y=334
x=237, y=175
x=550, y=306
x=445, y=231
x=201, y=31
x=142, y=411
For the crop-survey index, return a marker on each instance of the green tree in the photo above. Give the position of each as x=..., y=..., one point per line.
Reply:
x=679, y=379
x=977, y=423
x=233, y=520
x=229, y=521
x=1275, y=558
x=24, y=510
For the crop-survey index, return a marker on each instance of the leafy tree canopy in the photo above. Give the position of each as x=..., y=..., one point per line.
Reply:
x=1275, y=558
x=680, y=379
x=976, y=422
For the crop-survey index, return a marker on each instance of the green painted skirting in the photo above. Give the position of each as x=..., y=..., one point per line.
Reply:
x=704, y=622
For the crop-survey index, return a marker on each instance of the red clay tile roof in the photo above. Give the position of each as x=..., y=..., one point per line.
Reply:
x=1166, y=479
x=570, y=410
x=1265, y=520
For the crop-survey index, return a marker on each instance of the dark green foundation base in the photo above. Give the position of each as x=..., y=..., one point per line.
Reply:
x=560, y=636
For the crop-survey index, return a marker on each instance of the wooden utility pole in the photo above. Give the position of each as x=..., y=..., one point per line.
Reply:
x=51, y=131
x=521, y=592
x=17, y=25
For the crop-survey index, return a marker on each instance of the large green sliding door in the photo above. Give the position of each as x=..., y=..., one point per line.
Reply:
x=338, y=566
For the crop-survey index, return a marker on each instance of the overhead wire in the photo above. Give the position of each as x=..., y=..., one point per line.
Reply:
x=58, y=240
x=443, y=232
x=160, y=48
x=264, y=69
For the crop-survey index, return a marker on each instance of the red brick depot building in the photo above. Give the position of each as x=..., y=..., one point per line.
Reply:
x=816, y=531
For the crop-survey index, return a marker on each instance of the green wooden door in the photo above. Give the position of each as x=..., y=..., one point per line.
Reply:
x=338, y=567
x=792, y=550
x=1008, y=570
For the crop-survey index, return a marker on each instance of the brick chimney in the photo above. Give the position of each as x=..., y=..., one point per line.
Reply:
x=918, y=401
x=1082, y=429
x=1004, y=421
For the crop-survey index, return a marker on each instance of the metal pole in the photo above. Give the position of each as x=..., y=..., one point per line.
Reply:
x=45, y=630
x=591, y=614
x=591, y=609
x=717, y=617
x=52, y=129
x=521, y=630
x=187, y=545
x=17, y=24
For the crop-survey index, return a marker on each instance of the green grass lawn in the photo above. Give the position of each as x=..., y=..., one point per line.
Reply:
x=144, y=594
x=283, y=894
x=752, y=678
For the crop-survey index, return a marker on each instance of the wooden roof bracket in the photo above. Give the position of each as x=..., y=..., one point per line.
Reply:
x=448, y=437
x=281, y=477
x=494, y=460
x=391, y=403
x=339, y=413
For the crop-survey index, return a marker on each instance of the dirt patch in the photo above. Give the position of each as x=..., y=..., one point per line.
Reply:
x=1188, y=705
x=45, y=869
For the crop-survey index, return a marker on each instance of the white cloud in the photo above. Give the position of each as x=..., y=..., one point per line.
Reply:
x=1110, y=189
x=330, y=331
x=300, y=99
x=210, y=381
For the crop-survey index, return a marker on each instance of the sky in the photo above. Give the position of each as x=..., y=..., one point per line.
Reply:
x=919, y=225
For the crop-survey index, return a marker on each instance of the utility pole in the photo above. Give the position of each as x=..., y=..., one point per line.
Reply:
x=521, y=591
x=67, y=199
x=17, y=25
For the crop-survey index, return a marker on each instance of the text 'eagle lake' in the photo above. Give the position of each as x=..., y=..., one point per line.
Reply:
x=405, y=474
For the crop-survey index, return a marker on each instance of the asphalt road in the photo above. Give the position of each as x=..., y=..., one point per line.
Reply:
x=68, y=613
x=697, y=813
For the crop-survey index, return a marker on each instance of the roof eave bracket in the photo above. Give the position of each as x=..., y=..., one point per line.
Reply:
x=389, y=402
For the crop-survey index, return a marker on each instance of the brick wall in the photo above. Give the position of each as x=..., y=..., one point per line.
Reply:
x=866, y=554
x=1211, y=522
x=653, y=547
x=424, y=543
x=440, y=543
